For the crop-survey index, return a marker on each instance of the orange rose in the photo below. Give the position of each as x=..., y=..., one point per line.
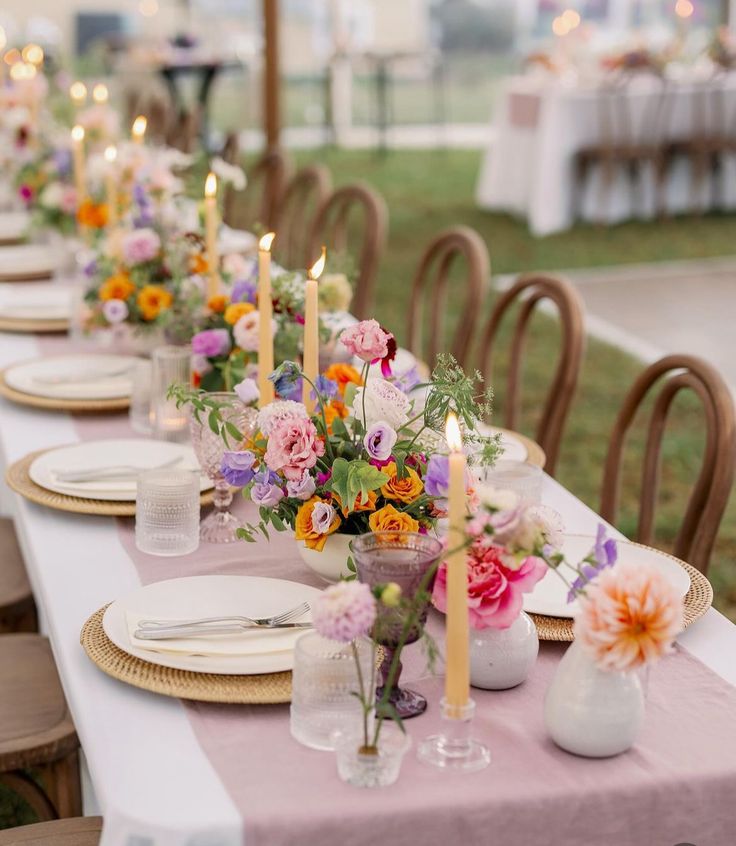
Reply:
x=235, y=311
x=388, y=519
x=218, y=303
x=116, y=287
x=303, y=525
x=343, y=374
x=358, y=505
x=405, y=490
x=198, y=263
x=152, y=300
x=333, y=410
x=92, y=214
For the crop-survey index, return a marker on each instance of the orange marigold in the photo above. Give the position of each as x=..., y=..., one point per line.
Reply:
x=218, y=303
x=235, y=311
x=303, y=525
x=404, y=490
x=343, y=374
x=152, y=300
x=198, y=263
x=388, y=519
x=116, y=287
x=91, y=214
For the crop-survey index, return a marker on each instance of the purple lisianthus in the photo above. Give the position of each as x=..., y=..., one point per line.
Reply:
x=604, y=554
x=437, y=477
x=211, y=343
x=244, y=291
x=62, y=159
x=90, y=268
x=247, y=391
x=326, y=388
x=145, y=216
x=406, y=382
x=379, y=440
x=287, y=380
x=322, y=516
x=265, y=495
x=301, y=488
x=237, y=467
x=115, y=311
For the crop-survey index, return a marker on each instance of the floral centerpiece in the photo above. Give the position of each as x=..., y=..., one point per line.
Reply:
x=45, y=186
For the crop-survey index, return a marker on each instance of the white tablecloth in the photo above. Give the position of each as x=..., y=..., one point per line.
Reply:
x=151, y=779
x=529, y=169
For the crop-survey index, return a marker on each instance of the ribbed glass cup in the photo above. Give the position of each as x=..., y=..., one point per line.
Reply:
x=171, y=366
x=167, y=512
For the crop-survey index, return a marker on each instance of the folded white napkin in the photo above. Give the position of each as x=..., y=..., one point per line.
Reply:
x=25, y=259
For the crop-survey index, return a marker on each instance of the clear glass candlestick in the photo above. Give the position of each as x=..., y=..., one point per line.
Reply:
x=170, y=366
x=454, y=748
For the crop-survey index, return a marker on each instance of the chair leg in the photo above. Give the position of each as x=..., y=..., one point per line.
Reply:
x=63, y=785
x=30, y=792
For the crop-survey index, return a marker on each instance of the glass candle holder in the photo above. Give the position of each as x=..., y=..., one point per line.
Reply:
x=324, y=681
x=170, y=366
x=406, y=558
x=453, y=748
x=167, y=512
x=525, y=480
x=140, y=411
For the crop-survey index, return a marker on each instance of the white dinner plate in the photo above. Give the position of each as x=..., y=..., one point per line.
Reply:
x=513, y=448
x=28, y=260
x=13, y=225
x=205, y=596
x=113, y=376
x=40, y=302
x=549, y=596
x=141, y=452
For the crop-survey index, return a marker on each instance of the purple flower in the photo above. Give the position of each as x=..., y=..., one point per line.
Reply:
x=301, y=488
x=237, y=467
x=26, y=193
x=145, y=215
x=326, y=388
x=211, y=343
x=244, y=291
x=344, y=611
x=322, y=516
x=406, y=382
x=90, y=268
x=285, y=378
x=115, y=311
x=62, y=159
x=265, y=495
x=604, y=554
x=201, y=364
x=140, y=246
x=247, y=391
x=379, y=440
x=437, y=477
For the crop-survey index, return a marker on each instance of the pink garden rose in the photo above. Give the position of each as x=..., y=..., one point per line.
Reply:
x=293, y=446
x=494, y=592
x=140, y=245
x=366, y=340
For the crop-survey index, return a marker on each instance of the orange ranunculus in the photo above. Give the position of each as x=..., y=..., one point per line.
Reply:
x=388, y=519
x=92, y=214
x=358, y=505
x=152, y=300
x=116, y=287
x=198, y=263
x=343, y=374
x=235, y=311
x=218, y=303
x=303, y=525
x=404, y=490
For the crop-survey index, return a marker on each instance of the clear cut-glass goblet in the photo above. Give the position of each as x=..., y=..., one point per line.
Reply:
x=409, y=559
x=220, y=526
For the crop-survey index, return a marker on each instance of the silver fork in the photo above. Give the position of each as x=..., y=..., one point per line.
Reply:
x=160, y=633
x=275, y=620
x=117, y=471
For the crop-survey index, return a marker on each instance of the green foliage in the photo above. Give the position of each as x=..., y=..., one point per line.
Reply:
x=351, y=479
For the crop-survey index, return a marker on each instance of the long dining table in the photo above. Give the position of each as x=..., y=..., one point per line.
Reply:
x=164, y=772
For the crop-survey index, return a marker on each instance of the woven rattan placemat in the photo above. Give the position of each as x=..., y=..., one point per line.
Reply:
x=35, y=327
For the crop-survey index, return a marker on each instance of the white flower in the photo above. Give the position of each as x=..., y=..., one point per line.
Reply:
x=51, y=196
x=322, y=516
x=229, y=173
x=247, y=391
x=237, y=266
x=497, y=499
x=246, y=331
x=383, y=402
x=276, y=411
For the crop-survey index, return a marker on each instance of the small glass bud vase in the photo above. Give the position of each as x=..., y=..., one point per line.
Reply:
x=374, y=767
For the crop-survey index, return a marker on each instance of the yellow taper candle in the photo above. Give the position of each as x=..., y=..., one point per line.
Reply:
x=457, y=672
x=78, y=160
x=138, y=130
x=265, y=311
x=210, y=232
x=111, y=188
x=78, y=94
x=310, y=357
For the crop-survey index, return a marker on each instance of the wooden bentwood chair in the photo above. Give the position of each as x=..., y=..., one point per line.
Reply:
x=17, y=609
x=79, y=831
x=305, y=194
x=529, y=290
x=331, y=226
x=430, y=286
x=699, y=527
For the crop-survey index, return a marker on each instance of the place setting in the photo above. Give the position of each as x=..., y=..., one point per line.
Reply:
x=41, y=309
x=29, y=262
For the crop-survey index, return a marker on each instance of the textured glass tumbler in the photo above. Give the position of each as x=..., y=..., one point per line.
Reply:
x=525, y=480
x=171, y=366
x=324, y=681
x=167, y=512
x=140, y=411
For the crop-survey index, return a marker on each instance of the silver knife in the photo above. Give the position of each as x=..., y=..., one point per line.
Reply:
x=204, y=631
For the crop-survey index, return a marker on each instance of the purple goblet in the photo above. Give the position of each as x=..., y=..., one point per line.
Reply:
x=405, y=558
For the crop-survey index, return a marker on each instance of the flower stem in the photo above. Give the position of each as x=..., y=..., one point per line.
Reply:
x=363, y=698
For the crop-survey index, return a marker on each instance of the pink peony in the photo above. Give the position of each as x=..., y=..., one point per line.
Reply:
x=344, y=611
x=494, y=591
x=293, y=446
x=140, y=245
x=366, y=340
x=629, y=616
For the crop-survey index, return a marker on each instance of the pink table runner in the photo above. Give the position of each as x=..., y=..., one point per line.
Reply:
x=676, y=786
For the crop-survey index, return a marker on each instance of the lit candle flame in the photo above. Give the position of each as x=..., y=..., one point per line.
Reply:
x=452, y=433
x=210, y=185
x=22, y=70
x=315, y=271
x=12, y=56
x=33, y=53
x=78, y=91
x=684, y=8
x=78, y=134
x=266, y=241
x=138, y=129
x=111, y=153
x=100, y=93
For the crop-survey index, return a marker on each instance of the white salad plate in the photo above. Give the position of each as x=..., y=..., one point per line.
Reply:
x=22, y=260
x=40, y=302
x=13, y=225
x=99, y=377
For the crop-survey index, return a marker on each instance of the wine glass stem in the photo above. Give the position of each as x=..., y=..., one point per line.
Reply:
x=383, y=672
x=223, y=495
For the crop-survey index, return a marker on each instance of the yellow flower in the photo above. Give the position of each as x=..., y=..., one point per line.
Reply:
x=388, y=519
x=152, y=300
x=405, y=490
x=218, y=303
x=391, y=595
x=303, y=525
x=235, y=311
x=116, y=287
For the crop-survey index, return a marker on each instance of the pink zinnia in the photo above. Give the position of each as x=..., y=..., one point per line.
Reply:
x=344, y=611
x=629, y=616
x=366, y=340
x=140, y=245
x=293, y=446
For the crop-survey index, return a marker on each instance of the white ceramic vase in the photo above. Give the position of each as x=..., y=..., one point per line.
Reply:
x=503, y=658
x=331, y=562
x=591, y=712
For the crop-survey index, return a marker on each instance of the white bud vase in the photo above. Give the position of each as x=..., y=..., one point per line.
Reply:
x=503, y=658
x=591, y=712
